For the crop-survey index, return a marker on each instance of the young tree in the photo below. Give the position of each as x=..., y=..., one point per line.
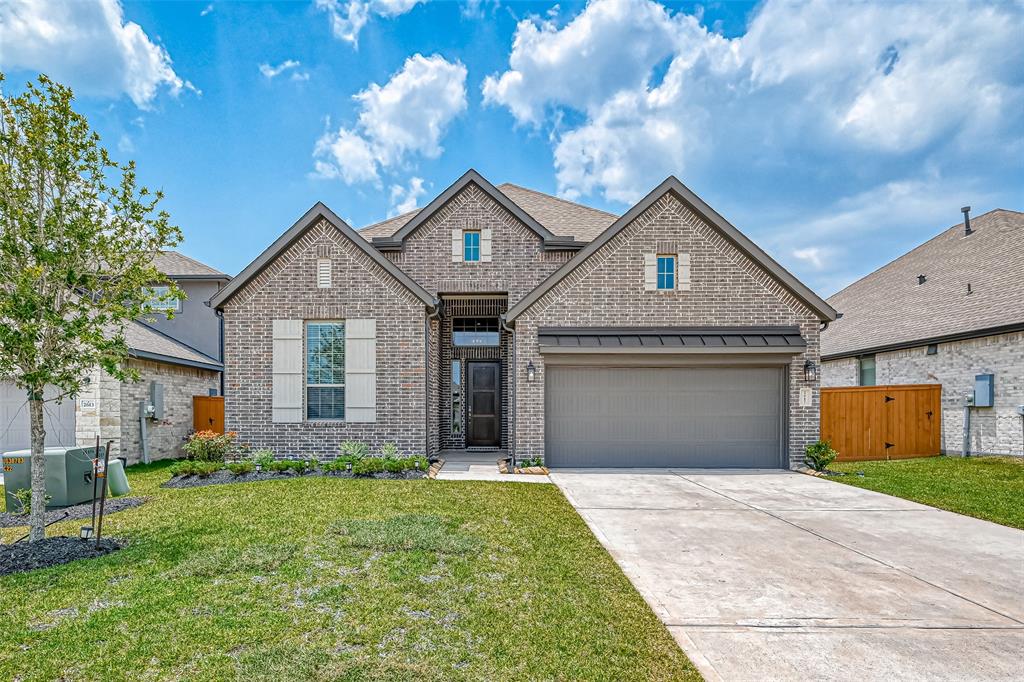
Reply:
x=77, y=243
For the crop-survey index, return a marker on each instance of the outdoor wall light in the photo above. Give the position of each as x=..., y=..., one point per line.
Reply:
x=810, y=371
x=531, y=371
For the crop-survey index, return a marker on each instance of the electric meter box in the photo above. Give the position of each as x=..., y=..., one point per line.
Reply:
x=984, y=390
x=68, y=476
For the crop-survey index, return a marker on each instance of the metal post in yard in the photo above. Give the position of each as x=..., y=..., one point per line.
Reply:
x=95, y=462
x=103, y=492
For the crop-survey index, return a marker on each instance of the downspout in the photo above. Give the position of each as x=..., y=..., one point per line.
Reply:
x=513, y=373
x=142, y=432
x=432, y=314
x=220, y=317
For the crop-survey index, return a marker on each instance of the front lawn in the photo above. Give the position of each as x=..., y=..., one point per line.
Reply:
x=319, y=578
x=989, y=488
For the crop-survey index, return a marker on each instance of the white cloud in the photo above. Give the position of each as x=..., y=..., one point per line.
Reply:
x=272, y=72
x=87, y=45
x=404, y=199
x=349, y=18
x=815, y=256
x=405, y=117
x=658, y=93
x=206, y=10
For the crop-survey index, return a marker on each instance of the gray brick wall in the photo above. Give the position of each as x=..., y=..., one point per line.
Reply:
x=994, y=430
x=360, y=289
x=163, y=436
x=608, y=290
x=518, y=262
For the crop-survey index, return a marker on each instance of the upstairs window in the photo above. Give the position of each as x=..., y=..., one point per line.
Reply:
x=475, y=331
x=471, y=246
x=157, y=300
x=666, y=272
x=867, y=370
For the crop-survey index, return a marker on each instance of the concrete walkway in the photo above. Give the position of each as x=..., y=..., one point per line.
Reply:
x=458, y=471
x=781, y=576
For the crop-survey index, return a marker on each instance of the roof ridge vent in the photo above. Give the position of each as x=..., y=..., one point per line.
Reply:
x=966, y=210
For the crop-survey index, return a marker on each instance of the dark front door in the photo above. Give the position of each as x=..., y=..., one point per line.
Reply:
x=484, y=404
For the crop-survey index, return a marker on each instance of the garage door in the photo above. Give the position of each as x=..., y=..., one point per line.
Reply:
x=663, y=416
x=15, y=431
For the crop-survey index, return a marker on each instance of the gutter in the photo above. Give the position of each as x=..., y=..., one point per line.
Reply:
x=945, y=338
x=512, y=369
x=171, y=360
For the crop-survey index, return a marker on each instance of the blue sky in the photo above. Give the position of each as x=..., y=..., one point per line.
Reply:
x=836, y=135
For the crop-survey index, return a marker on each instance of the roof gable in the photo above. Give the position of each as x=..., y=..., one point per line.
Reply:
x=711, y=217
x=311, y=218
x=889, y=308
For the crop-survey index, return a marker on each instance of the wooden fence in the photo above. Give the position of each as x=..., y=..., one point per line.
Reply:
x=208, y=413
x=883, y=422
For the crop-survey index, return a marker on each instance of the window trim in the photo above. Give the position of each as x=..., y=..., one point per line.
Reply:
x=496, y=331
x=466, y=246
x=161, y=307
x=860, y=370
x=306, y=385
x=669, y=275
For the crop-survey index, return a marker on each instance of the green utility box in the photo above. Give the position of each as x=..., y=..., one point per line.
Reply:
x=68, y=475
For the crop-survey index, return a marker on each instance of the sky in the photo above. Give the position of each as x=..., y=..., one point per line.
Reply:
x=836, y=135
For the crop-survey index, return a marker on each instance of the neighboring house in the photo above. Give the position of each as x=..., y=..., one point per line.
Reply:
x=163, y=352
x=503, y=319
x=945, y=313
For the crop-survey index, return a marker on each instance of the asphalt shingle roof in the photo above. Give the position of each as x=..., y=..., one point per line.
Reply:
x=146, y=339
x=175, y=264
x=561, y=217
x=889, y=307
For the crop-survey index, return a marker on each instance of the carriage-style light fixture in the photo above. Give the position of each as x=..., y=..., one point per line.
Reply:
x=531, y=371
x=810, y=371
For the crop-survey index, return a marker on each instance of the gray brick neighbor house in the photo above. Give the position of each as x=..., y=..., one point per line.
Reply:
x=949, y=312
x=503, y=319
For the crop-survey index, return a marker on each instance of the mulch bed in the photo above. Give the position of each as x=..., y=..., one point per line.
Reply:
x=224, y=476
x=55, y=551
x=78, y=511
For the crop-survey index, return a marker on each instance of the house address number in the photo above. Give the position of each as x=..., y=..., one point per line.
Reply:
x=9, y=463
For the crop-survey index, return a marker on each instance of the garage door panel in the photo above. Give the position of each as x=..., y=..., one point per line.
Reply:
x=660, y=417
x=15, y=430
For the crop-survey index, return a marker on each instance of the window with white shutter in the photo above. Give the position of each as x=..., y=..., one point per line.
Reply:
x=286, y=371
x=456, y=246
x=323, y=273
x=684, y=272
x=485, y=245
x=651, y=271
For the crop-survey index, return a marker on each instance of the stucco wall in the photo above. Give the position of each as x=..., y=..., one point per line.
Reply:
x=994, y=430
x=518, y=263
x=287, y=289
x=608, y=290
x=196, y=324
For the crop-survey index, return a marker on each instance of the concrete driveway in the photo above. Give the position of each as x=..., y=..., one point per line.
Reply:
x=781, y=576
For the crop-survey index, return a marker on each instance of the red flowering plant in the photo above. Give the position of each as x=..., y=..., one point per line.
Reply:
x=207, y=446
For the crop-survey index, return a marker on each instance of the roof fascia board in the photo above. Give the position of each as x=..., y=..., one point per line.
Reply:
x=308, y=220
x=685, y=195
x=469, y=177
x=945, y=338
x=171, y=360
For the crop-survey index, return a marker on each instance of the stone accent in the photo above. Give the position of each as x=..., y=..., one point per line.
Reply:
x=98, y=411
x=518, y=263
x=608, y=290
x=286, y=289
x=994, y=430
x=165, y=436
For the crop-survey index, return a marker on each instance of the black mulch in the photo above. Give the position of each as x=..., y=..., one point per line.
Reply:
x=225, y=476
x=28, y=556
x=78, y=511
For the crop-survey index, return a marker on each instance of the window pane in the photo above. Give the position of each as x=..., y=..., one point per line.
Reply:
x=471, y=245
x=154, y=293
x=456, y=397
x=666, y=272
x=475, y=331
x=325, y=402
x=867, y=371
x=325, y=370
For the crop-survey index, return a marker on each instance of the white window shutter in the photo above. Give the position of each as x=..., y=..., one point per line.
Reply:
x=684, y=272
x=456, y=246
x=485, y=245
x=650, y=271
x=361, y=370
x=286, y=402
x=323, y=273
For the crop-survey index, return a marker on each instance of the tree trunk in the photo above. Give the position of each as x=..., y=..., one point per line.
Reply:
x=37, y=518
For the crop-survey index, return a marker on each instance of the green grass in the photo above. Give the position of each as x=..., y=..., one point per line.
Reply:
x=990, y=488
x=325, y=579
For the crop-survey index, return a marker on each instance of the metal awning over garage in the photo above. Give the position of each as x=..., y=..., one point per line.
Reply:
x=682, y=340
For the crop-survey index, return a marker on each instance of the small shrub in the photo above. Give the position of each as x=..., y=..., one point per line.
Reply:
x=335, y=465
x=263, y=458
x=205, y=469
x=820, y=455
x=183, y=468
x=367, y=466
x=389, y=450
x=241, y=468
x=23, y=496
x=279, y=465
x=354, y=450
x=207, y=446
x=530, y=462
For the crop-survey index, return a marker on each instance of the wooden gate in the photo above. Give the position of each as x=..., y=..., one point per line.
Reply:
x=208, y=413
x=883, y=422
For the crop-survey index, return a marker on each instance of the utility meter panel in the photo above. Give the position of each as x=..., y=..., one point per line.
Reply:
x=984, y=390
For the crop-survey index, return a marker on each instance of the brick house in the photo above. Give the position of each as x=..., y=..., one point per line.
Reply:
x=947, y=312
x=503, y=319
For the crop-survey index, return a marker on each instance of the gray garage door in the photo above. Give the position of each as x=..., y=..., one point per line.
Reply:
x=15, y=432
x=659, y=417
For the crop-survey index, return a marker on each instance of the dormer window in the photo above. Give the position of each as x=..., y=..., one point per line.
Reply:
x=471, y=246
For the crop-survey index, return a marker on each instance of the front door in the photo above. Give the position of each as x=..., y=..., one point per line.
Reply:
x=484, y=404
